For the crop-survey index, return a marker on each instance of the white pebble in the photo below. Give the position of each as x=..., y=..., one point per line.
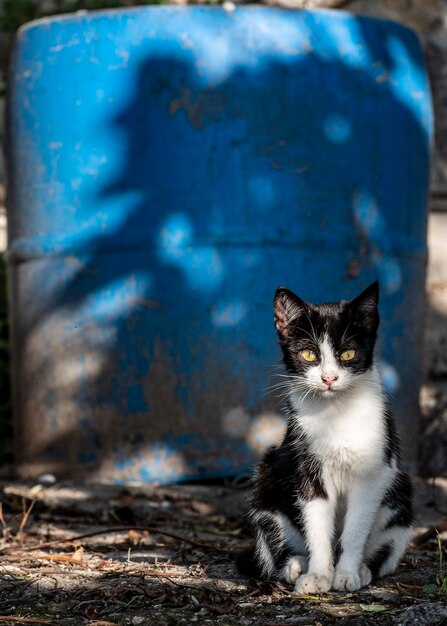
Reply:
x=47, y=479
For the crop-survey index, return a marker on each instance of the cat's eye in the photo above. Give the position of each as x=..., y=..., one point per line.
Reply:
x=308, y=355
x=347, y=355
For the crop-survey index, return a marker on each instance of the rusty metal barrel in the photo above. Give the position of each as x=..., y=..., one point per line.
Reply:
x=169, y=167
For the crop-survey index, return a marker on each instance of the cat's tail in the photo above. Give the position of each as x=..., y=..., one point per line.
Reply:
x=247, y=563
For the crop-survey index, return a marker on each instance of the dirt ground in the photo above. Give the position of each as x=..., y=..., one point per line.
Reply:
x=103, y=555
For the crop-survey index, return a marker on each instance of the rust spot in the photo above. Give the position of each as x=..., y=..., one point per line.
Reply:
x=151, y=304
x=353, y=269
x=201, y=108
x=383, y=78
x=277, y=166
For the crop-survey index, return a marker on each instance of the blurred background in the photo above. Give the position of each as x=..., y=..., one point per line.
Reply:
x=429, y=19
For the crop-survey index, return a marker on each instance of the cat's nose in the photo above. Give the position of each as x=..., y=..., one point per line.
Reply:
x=328, y=379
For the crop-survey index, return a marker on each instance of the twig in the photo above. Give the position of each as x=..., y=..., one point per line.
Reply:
x=247, y=595
x=26, y=514
x=23, y=620
x=403, y=586
x=215, y=590
x=141, y=572
x=102, y=566
x=2, y=520
x=117, y=529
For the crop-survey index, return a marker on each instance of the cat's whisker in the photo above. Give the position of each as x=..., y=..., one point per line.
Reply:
x=344, y=333
x=279, y=395
x=285, y=389
x=283, y=383
x=287, y=375
x=303, y=330
x=312, y=328
x=286, y=382
x=346, y=342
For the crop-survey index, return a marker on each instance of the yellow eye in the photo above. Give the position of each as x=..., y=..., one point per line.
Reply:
x=347, y=355
x=308, y=355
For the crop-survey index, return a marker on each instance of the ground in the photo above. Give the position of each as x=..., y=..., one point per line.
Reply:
x=103, y=555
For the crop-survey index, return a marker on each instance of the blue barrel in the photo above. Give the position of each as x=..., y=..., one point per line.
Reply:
x=169, y=167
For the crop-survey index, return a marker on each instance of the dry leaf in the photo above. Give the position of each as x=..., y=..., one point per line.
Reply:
x=202, y=507
x=136, y=536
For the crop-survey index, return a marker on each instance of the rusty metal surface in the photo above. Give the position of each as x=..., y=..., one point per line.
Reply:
x=169, y=168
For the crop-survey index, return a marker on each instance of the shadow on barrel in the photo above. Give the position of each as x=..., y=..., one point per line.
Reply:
x=148, y=356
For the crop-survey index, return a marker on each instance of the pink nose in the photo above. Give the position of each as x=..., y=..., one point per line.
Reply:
x=328, y=379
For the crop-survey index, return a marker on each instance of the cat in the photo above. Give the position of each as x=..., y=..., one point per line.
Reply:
x=330, y=506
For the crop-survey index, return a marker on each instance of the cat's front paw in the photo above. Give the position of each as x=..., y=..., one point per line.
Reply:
x=312, y=583
x=293, y=568
x=345, y=580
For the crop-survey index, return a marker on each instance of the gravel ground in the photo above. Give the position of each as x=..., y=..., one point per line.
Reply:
x=103, y=555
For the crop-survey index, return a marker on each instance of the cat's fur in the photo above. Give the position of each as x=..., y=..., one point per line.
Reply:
x=331, y=508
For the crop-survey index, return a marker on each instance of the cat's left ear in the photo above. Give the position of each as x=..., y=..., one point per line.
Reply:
x=364, y=306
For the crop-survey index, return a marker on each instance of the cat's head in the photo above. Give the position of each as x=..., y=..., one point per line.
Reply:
x=327, y=347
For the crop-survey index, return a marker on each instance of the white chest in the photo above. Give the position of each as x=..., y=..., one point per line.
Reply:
x=348, y=436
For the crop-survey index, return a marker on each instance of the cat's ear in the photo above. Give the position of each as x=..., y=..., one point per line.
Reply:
x=364, y=306
x=287, y=308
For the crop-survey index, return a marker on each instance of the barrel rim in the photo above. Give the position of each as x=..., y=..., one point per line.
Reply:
x=341, y=14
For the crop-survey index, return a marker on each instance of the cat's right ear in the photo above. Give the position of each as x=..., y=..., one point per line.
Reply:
x=287, y=308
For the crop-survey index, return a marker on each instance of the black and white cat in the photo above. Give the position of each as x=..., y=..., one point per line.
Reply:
x=330, y=507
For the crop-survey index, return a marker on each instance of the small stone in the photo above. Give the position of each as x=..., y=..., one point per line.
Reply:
x=381, y=594
x=47, y=479
x=424, y=614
